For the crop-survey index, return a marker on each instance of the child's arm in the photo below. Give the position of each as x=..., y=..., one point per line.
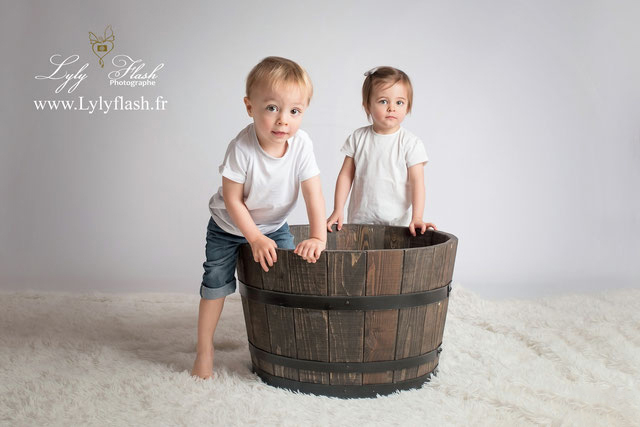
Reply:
x=416, y=181
x=311, y=248
x=343, y=186
x=262, y=247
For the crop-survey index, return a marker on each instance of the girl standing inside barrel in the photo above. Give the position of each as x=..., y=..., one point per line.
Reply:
x=383, y=164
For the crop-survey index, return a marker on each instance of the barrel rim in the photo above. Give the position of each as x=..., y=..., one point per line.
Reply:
x=450, y=239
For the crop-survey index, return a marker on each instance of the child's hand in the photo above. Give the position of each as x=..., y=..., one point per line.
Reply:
x=264, y=251
x=418, y=224
x=335, y=217
x=310, y=249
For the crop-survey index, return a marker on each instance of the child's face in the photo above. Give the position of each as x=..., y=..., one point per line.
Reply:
x=388, y=107
x=277, y=114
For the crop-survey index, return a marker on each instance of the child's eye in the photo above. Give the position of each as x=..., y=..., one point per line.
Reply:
x=295, y=112
x=400, y=102
x=383, y=101
x=272, y=108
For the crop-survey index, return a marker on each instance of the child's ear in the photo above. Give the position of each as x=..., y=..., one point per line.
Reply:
x=247, y=104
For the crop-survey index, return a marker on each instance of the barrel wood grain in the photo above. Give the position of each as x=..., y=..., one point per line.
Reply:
x=347, y=276
x=354, y=237
x=377, y=238
x=416, y=273
x=308, y=278
x=311, y=326
x=332, y=237
x=247, y=319
x=283, y=338
x=436, y=279
x=441, y=318
x=312, y=341
x=433, y=330
x=369, y=237
x=241, y=269
x=384, y=277
x=250, y=273
x=280, y=319
x=299, y=233
x=381, y=327
x=245, y=306
x=452, y=247
x=384, y=272
x=347, y=273
x=396, y=238
x=260, y=326
x=277, y=278
x=409, y=341
x=249, y=327
x=348, y=237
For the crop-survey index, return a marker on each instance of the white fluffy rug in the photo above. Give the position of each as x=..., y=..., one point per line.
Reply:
x=104, y=359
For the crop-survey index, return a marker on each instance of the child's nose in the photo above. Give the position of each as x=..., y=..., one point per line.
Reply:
x=281, y=119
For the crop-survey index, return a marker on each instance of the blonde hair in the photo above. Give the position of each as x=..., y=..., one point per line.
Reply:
x=274, y=71
x=385, y=76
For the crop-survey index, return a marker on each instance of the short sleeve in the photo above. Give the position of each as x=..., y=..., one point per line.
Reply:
x=235, y=164
x=308, y=166
x=415, y=153
x=349, y=147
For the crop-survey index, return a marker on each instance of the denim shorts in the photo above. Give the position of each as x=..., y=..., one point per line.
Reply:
x=219, y=279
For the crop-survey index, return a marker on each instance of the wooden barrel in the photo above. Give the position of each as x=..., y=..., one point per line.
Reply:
x=366, y=319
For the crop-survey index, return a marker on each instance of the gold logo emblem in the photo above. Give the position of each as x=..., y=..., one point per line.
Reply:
x=101, y=46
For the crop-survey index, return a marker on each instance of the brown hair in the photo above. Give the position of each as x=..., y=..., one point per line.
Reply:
x=385, y=76
x=274, y=70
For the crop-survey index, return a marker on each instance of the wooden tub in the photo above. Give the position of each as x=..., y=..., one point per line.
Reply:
x=366, y=319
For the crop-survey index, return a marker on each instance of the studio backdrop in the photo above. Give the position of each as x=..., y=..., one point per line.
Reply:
x=116, y=115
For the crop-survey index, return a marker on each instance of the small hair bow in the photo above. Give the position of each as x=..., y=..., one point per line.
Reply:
x=371, y=71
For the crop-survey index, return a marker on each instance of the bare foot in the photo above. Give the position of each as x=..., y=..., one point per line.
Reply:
x=203, y=366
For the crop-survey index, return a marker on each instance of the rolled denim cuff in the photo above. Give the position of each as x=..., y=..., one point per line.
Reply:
x=221, y=292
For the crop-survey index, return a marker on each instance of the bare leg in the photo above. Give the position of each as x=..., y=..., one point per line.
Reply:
x=208, y=316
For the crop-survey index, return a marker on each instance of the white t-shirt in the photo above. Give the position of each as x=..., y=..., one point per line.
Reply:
x=271, y=184
x=381, y=193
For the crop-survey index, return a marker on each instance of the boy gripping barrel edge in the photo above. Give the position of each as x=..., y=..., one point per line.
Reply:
x=262, y=172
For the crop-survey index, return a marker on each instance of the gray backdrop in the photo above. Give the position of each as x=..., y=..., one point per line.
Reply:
x=529, y=112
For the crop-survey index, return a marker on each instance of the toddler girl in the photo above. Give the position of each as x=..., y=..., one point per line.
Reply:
x=384, y=161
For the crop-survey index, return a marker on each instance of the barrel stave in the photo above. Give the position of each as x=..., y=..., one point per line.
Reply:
x=347, y=276
x=384, y=277
x=311, y=326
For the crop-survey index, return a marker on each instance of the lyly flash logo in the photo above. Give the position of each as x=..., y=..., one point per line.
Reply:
x=101, y=46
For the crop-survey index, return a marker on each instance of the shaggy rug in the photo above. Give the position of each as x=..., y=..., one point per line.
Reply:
x=124, y=359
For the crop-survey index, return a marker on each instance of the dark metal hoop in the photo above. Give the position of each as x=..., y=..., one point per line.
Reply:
x=344, y=391
x=382, y=302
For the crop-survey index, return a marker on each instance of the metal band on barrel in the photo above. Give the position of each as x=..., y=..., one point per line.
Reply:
x=344, y=367
x=323, y=302
x=343, y=391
